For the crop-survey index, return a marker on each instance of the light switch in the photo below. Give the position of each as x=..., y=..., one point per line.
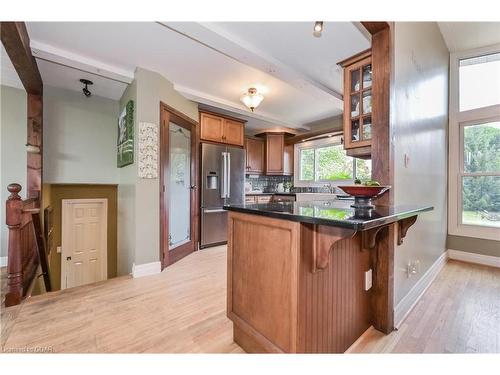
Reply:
x=58, y=249
x=406, y=160
x=368, y=279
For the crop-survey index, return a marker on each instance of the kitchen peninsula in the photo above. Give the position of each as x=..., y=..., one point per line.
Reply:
x=300, y=273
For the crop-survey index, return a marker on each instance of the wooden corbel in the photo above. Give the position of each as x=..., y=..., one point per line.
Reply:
x=324, y=239
x=369, y=237
x=403, y=226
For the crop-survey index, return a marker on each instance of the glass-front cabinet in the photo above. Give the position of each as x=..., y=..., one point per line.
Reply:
x=357, y=100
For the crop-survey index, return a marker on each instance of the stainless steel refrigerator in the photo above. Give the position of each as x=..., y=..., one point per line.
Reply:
x=222, y=182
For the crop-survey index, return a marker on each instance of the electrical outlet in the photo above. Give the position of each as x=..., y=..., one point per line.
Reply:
x=368, y=279
x=412, y=268
x=58, y=249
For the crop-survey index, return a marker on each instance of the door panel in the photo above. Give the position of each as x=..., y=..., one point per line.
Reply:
x=255, y=155
x=211, y=127
x=236, y=176
x=274, y=154
x=84, y=242
x=211, y=175
x=233, y=132
x=213, y=226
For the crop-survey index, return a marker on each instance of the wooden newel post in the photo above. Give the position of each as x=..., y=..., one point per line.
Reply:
x=13, y=216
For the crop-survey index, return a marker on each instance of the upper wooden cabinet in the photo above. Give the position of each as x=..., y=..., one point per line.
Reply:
x=358, y=101
x=278, y=158
x=220, y=129
x=254, y=155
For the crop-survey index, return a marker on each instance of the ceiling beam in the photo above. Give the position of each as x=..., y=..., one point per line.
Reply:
x=210, y=100
x=217, y=39
x=16, y=42
x=65, y=58
x=375, y=27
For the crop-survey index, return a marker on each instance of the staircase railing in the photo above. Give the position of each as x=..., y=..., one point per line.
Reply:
x=26, y=249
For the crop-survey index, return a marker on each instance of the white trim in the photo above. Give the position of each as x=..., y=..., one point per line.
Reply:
x=464, y=256
x=146, y=269
x=406, y=305
x=456, y=120
x=66, y=206
x=3, y=261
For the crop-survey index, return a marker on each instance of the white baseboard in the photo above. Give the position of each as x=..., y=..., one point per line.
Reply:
x=146, y=269
x=410, y=300
x=3, y=261
x=464, y=256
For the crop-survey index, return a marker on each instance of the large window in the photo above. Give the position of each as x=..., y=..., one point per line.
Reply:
x=474, y=183
x=325, y=161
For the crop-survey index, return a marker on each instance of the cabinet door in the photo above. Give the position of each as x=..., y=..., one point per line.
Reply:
x=250, y=199
x=288, y=160
x=274, y=154
x=255, y=155
x=233, y=132
x=211, y=127
x=264, y=198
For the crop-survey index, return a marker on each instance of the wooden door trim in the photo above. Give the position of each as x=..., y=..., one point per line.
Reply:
x=66, y=204
x=168, y=113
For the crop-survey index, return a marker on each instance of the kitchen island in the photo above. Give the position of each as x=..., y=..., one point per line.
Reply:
x=311, y=277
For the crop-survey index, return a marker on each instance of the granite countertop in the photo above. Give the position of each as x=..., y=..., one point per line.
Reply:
x=335, y=213
x=268, y=193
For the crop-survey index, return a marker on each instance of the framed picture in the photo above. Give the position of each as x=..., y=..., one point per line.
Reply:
x=125, y=151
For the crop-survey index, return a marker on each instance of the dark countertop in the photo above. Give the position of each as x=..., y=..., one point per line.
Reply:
x=270, y=193
x=335, y=213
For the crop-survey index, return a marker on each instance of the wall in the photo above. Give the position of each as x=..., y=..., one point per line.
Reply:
x=139, y=204
x=474, y=245
x=58, y=192
x=419, y=121
x=79, y=137
x=13, y=129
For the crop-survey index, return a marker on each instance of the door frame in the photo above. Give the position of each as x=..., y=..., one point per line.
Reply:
x=168, y=113
x=65, y=206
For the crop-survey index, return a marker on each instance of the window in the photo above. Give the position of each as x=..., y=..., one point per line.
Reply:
x=474, y=150
x=325, y=160
x=480, y=174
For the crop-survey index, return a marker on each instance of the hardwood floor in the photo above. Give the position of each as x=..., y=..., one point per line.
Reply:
x=183, y=309
x=459, y=313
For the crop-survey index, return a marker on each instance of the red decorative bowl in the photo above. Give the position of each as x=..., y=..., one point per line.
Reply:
x=363, y=191
x=363, y=194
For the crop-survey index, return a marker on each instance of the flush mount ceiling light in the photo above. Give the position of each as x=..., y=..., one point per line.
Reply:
x=252, y=98
x=318, y=28
x=86, y=90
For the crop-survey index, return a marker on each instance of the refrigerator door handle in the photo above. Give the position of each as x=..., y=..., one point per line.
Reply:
x=228, y=161
x=224, y=176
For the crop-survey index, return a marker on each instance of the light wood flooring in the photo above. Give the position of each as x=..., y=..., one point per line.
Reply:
x=183, y=310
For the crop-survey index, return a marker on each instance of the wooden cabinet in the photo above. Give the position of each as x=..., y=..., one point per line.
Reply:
x=254, y=150
x=264, y=198
x=220, y=129
x=250, y=199
x=358, y=102
x=283, y=198
x=278, y=157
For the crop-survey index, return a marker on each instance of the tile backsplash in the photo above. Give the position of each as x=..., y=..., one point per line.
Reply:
x=267, y=184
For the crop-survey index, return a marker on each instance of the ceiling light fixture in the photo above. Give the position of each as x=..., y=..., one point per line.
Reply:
x=318, y=28
x=85, y=90
x=252, y=98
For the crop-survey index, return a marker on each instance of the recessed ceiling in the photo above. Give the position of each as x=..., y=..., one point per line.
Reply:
x=8, y=74
x=461, y=36
x=296, y=70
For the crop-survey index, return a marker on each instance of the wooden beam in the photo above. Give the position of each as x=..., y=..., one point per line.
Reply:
x=16, y=41
x=375, y=27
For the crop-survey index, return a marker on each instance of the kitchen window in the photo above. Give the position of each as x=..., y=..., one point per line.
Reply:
x=474, y=152
x=325, y=161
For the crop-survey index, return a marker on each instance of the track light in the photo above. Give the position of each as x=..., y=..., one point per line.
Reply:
x=85, y=90
x=318, y=28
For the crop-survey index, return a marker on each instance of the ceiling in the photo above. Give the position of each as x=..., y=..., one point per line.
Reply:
x=8, y=74
x=211, y=63
x=461, y=36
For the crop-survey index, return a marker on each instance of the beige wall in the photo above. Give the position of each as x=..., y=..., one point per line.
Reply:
x=79, y=137
x=139, y=205
x=419, y=121
x=474, y=245
x=13, y=129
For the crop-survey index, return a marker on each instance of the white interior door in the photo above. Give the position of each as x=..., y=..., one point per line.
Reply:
x=84, y=241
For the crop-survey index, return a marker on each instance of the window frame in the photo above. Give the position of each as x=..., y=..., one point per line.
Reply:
x=457, y=122
x=316, y=144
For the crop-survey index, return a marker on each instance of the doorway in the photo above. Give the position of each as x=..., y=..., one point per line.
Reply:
x=178, y=185
x=84, y=257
